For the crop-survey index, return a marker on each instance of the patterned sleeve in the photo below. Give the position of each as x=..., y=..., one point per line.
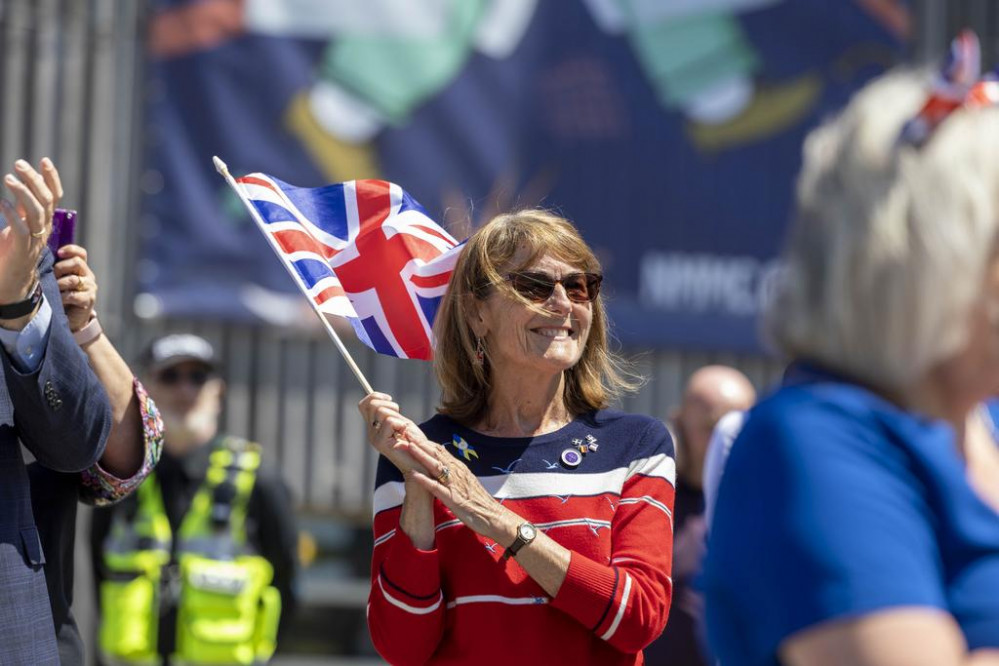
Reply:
x=101, y=488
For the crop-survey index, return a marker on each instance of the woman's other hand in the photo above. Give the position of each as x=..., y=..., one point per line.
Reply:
x=450, y=481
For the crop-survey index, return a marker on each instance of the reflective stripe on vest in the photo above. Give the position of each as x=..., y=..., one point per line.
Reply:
x=229, y=481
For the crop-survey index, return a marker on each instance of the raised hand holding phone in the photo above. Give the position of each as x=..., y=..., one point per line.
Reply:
x=77, y=283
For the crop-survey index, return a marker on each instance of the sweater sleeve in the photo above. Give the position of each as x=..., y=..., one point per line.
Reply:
x=626, y=601
x=406, y=603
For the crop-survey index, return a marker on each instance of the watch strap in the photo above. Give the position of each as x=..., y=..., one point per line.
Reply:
x=517, y=544
x=25, y=307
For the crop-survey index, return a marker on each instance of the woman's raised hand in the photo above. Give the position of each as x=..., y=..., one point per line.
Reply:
x=387, y=428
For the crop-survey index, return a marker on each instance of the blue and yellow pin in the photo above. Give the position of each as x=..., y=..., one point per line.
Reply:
x=464, y=447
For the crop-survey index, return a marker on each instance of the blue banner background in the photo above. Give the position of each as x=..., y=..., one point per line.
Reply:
x=688, y=228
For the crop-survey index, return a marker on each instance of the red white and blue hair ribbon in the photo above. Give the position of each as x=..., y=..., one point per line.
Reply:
x=959, y=85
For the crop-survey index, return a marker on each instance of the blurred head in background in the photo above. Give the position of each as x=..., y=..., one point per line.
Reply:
x=182, y=376
x=711, y=392
x=892, y=274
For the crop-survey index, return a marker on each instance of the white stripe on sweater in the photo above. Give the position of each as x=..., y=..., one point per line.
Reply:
x=383, y=538
x=573, y=522
x=497, y=599
x=540, y=484
x=620, y=609
x=649, y=500
x=594, y=524
x=415, y=610
x=447, y=524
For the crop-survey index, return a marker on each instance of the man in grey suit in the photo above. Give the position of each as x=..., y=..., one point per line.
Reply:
x=50, y=401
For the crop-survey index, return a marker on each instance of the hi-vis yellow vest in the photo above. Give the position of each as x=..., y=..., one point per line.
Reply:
x=227, y=609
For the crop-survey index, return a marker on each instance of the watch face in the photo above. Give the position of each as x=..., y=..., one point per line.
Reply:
x=527, y=532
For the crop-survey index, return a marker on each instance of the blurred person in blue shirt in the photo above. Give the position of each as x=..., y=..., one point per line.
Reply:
x=857, y=521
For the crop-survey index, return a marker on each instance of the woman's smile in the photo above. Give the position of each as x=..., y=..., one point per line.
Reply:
x=554, y=332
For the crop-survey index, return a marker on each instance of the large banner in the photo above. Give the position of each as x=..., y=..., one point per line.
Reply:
x=669, y=131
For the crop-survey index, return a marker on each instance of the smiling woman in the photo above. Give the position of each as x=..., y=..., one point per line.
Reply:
x=533, y=468
x=510, y=245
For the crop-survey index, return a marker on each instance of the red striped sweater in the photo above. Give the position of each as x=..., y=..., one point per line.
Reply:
x=459, y=604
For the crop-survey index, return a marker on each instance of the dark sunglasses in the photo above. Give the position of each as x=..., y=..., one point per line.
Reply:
x=173, y=376
x=538, y=287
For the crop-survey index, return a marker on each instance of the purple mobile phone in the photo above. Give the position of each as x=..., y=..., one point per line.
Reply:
x=63, y=228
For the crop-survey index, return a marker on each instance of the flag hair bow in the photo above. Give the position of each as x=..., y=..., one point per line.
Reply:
x=959, y=85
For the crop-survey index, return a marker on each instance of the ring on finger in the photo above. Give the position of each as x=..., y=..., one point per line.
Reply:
x=376, y=424
x=444, y=476
x=81, y=283
x=38, y=234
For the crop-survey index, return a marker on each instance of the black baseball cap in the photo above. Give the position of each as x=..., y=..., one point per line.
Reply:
x=175, y=348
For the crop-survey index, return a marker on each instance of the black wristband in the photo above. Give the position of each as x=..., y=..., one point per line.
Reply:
x=25, y=307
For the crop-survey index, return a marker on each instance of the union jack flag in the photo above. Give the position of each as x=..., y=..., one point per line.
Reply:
x=364, y=250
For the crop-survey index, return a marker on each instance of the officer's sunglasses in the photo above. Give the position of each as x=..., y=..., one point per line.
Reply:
x=174, y=376
x=538, y=287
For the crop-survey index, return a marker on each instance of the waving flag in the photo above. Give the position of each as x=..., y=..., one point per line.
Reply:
x=364, y=250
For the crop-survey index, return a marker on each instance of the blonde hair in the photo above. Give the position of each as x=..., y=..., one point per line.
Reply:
x=598, y=377
x=888, y=253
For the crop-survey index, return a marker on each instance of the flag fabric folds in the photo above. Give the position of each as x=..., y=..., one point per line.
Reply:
x=364, y=250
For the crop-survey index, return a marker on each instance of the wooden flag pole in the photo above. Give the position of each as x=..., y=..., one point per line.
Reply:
x=221, y=167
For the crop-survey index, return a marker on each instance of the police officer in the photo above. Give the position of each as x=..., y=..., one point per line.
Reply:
x=200, y=563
